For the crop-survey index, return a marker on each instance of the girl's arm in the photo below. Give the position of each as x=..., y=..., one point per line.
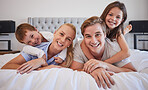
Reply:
x=124, y=53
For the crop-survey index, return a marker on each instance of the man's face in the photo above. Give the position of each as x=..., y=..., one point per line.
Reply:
x=32, y=38
x=94, y=38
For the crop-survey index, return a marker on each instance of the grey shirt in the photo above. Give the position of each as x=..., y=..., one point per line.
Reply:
x=111, y=48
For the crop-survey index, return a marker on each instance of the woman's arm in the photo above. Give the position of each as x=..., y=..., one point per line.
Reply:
x=124, y=53
x=14, y=63
x=77, y=66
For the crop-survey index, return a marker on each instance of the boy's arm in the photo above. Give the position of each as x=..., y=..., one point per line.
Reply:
x=124, y=53
x=33, y=51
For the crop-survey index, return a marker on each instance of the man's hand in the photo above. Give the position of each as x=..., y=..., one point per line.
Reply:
x=102, y=77
x=92, y=64
x=30, y=65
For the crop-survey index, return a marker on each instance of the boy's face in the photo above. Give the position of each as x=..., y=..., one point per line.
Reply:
x=32, y=38
x=94, y=38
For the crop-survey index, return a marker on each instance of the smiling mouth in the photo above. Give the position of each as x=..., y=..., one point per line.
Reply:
x=59, y=44
x=96, y=45
x=111, y=22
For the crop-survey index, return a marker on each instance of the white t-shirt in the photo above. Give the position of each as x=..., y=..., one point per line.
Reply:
x=111, y=48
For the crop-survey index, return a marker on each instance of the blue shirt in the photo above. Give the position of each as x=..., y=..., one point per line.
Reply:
x=43, y=46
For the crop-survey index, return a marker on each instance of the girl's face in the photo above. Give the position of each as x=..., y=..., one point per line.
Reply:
x=114, y=18
x=63, y=37
x=94, y=38
x=32, y=38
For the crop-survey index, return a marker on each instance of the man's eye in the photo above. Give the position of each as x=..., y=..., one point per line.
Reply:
x=97, y=34
x=88, y=36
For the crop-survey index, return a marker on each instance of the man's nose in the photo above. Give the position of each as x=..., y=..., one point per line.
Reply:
x=93, y=40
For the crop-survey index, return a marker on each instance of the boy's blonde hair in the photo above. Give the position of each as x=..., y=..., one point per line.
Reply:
x=21, y=30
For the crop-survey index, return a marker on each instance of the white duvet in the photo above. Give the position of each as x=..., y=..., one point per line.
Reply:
x=67, y=79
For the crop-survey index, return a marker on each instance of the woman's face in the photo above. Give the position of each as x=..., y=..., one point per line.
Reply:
x=63, y=37
x=114, y=18
x=94, y=38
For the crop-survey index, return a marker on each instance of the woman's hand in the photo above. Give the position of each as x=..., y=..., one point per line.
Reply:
x=102, y=77
x=30, y=65
x=49, y=67
x=92, y=64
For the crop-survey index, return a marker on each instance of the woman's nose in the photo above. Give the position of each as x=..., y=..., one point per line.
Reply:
x=63, y=39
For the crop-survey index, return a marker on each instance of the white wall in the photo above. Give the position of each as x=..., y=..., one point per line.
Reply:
x=20, y=10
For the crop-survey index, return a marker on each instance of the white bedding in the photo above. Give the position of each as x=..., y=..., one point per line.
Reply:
x=67, y=79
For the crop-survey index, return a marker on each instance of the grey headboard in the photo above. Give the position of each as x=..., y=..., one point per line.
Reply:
x=53, y=23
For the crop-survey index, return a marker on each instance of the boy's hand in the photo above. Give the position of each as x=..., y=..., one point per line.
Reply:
x=58, y=60
x=30, y=66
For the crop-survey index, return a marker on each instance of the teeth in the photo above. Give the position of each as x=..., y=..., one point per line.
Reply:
x=59, y=44
x=96, y=45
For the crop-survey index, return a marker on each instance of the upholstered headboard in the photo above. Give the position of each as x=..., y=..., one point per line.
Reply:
x=53, y=23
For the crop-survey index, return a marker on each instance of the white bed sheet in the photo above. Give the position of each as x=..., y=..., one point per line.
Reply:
x=67, y=79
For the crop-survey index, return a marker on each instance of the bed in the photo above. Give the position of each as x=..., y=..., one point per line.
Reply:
x=65, y=78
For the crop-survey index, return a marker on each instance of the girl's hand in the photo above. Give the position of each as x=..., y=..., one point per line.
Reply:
x=49, y=67
x=92, y=64
x=30, y=65
x=127, y=29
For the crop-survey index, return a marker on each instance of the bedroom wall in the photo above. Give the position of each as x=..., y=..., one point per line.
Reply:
x=20, y=10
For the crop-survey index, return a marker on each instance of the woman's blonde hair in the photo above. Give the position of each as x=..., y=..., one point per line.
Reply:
x=69, y=56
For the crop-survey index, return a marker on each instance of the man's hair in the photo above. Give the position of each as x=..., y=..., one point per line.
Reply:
x=92, y=21
x=21, y=30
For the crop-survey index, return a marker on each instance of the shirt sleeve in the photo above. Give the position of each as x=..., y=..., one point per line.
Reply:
x=33, y=51
x=77, y=54
x=63, y=54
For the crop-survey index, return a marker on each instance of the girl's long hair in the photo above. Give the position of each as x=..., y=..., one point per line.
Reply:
x=112, y=34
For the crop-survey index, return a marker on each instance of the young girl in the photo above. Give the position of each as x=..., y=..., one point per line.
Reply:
x=114, y=16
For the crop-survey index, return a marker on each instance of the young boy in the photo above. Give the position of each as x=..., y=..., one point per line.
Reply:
x=36, y=38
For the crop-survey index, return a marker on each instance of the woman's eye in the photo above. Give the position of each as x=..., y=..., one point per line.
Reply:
x=61, y=34
x=68, y=39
